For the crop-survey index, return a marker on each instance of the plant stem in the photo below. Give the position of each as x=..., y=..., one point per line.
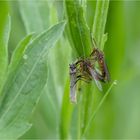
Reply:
x=98, y=33
x=66, y=113
x=79, y=122
x=98, y=107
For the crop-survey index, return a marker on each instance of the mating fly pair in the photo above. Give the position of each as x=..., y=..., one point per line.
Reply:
x=86, y=70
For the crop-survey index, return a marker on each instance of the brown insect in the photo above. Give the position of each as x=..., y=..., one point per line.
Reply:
x=85, y=70
x=77, y=72
x=99, y=57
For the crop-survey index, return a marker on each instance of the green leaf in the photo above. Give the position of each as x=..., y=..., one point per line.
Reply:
x=78, y=32
x=24, y=90
x=90, y=12
x=4, y=37
x=18, y=53
x=100, y=22
x=66, y=113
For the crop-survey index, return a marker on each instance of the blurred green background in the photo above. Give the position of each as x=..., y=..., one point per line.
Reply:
x=120, y=113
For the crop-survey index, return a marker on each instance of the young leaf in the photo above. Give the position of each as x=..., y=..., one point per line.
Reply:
x=100, y=22
x=18, y=53
x=23, y=91
x=78, y=30
x=4, y=37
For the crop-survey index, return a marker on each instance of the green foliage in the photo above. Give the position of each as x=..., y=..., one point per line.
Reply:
x=66, y=113
x=97, y=109
x=27, y=75
x=100, y=22
x=77, y=26
x=79, y=33
x=33, y=80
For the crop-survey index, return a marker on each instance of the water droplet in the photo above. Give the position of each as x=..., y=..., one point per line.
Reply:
x=115, y=82
x=25, y=56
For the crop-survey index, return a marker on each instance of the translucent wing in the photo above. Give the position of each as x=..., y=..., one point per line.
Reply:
x=73, y=97
x=95, y=77
x=107, y=75
x=73, y=83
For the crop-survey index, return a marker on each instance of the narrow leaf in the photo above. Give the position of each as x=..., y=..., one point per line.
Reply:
x=78, y=30
x=66, y=113
x=26, y=86
x=100, y=21
x=19, y=52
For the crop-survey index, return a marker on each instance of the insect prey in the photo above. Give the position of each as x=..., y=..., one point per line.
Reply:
x=85, y=69
x=99, y=57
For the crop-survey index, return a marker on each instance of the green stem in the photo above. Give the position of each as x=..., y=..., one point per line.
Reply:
x=66, y=113
x=98, y=107
x=79, y=122
x=100, y=21
x=98, y=32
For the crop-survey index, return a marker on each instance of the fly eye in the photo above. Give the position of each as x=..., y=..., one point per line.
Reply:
x=72, y=67
x=100, y=58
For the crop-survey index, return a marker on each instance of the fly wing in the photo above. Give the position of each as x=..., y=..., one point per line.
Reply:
x=95, y=77
x=73, y=85
x=73, y=97
x=107, y=75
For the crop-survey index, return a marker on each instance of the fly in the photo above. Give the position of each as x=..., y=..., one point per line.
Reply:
x=82, y=70
x=85, y=70
x=99, y=57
